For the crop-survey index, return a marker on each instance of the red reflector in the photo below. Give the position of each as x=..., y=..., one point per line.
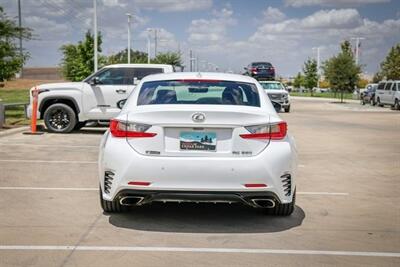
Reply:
x=139, y=183
x=255, y=185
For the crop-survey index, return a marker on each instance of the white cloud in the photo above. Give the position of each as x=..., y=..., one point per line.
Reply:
x=174, y=5
x=272, y=14
x=213, y=30
x=332, y=3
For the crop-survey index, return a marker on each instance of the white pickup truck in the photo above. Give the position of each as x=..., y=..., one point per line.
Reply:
x=68, y=106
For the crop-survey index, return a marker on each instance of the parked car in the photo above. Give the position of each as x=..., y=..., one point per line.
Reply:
x=260, y=71
x=68, y=106
x=368, y=94
x=194, y=137
x=277, y=93
x=388, y=93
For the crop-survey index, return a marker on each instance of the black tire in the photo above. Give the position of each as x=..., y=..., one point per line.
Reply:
x=59, y=118
x=372, y=102
x=396, y=104
x=79, y=125
x=287, y=109
x=110, y=206
x=283, y=209
x=378, y=102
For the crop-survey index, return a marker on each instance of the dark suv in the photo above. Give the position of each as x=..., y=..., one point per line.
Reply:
x=261, y=71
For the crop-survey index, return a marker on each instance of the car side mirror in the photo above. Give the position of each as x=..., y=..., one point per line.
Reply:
x=121, y=103
x=135, y=81
x=245, y=68
x=95, y=81
x=277, y=106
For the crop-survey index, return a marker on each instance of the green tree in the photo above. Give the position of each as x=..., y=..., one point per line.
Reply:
x=390, y=67
x=171, y=58
x=341, y=70
x=11, y=60
x=122, y=57
x=298, y=80
x=378, y=76
x=78, y=59
x=310, y=74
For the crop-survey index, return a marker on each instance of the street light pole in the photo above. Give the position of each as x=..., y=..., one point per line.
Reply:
x=148, y=46
x=129, y=37
x=95, y=33
x=318, y=63
x=357, y=46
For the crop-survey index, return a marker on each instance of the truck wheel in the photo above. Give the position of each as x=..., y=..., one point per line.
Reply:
x=372, y=102
x=283, y=209
x=396, y=105
x=287, y=109
x=59, y=118
x=110, y=206
x=378, y=102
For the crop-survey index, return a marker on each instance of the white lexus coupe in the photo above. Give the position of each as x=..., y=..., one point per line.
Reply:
x=198, y=137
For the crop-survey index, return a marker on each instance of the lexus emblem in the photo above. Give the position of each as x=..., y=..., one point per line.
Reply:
x=198, y=117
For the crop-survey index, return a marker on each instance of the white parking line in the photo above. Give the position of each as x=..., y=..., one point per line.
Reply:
x=48, y=161
x=95, y=189
x=323, y=193
x=50, y=188
x=209, y=250
x=40, y=145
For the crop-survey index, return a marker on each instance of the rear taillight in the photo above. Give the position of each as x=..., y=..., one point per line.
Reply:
x=254, y=70
x=129, y=129
x=268, y=131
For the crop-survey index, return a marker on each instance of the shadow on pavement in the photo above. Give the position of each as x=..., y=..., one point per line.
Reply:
x=204, y=218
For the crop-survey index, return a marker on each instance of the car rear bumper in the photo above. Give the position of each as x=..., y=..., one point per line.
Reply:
x=198, y=174
x=130, y=197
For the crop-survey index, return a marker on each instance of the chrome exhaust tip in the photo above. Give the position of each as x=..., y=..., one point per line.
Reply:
x=264, y=203
x=130, y=201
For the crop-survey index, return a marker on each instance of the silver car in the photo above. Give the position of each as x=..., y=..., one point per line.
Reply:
x=388, y=93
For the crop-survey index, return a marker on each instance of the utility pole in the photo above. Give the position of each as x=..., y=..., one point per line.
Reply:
x=95, y=33
x=357, y=47
x=20, y=27
x=318, y=63
x=191, y=60
x=155, y=42
x=148, y=45
x=20, y=35
x=129, y=37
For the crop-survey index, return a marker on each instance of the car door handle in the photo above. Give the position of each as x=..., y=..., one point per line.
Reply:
x=120, y=91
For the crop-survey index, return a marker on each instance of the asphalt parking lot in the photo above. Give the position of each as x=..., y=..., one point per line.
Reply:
x=347, y=210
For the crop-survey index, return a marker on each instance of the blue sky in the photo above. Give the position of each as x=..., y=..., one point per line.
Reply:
x=224, y=33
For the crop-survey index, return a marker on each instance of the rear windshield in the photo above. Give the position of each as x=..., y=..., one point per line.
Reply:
x=140, y=73
x=262, y=64
x=272, y=86
x=200, y=92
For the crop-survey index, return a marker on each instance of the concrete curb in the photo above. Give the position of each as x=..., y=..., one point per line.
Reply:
x=14, y=131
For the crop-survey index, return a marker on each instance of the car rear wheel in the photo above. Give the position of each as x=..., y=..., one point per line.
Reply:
x=59, y=118
x=287, y=109
x=284, y=209
x=110, y=206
